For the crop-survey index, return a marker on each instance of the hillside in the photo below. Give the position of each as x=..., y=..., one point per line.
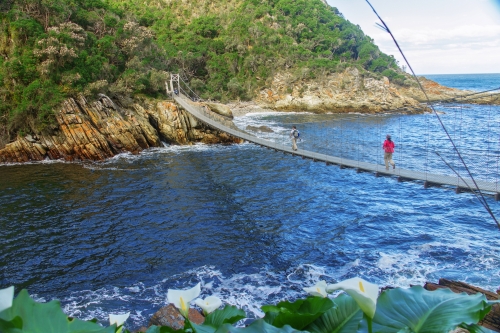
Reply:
x=228, y=50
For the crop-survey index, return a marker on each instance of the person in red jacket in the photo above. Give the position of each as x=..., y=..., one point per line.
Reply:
x=388, y=147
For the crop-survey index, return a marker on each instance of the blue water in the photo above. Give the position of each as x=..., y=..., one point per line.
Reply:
x=475, y=82
x=254, y=226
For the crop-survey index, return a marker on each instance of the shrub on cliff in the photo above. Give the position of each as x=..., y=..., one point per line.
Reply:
x=231, y=47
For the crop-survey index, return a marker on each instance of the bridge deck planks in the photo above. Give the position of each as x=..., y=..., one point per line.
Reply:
x=430, y=178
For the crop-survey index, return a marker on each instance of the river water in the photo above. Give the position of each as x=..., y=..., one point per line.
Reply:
x=252, y=225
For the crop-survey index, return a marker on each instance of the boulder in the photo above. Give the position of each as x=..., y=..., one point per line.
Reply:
x=259, y=129
x=171, y=317
x=221, y=109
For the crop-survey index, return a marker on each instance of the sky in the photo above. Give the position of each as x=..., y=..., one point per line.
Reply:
x=437, y=36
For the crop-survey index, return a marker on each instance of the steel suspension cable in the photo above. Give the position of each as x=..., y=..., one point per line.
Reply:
x=481, y=197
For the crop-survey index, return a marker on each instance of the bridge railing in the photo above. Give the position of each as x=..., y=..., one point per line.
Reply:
x=421, y=157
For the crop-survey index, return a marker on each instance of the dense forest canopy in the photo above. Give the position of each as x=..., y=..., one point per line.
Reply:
x=226, y=49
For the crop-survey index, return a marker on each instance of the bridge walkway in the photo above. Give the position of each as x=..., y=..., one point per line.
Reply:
x=429, y=179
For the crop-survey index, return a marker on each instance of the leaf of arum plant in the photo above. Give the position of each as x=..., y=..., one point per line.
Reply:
x=475, y=328
x=26, y=315
x=345, y=317
x=318, y=290
x=258, y=326
x=182, y=298
x=229, y=315
x=298, y=314
x=422, y=311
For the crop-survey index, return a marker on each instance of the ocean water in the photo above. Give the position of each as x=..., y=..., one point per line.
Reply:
x=252, y=225
x=475, y=82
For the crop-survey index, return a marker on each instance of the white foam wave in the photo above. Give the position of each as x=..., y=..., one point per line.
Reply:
x=275, y=113
x=45, y=161
x=250, y=291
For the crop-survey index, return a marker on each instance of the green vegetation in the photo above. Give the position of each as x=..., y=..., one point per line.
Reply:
x=397, y=310
x=226, y=49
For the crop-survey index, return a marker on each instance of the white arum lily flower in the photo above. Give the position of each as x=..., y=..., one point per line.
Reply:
x=318, y=290
x=182, y=298
x=363, y=292
x=118, y=319
x=6, y=297
x=209, y=304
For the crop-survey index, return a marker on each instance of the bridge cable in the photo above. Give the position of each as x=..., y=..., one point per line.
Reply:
x=481, y=197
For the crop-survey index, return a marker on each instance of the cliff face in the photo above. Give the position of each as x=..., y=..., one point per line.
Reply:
x=340, y=92
x=102, y=129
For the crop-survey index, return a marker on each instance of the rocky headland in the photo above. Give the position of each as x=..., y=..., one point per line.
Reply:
x=352, y=91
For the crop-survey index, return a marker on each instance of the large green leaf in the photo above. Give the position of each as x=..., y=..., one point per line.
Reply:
x=298, y=314
x=258, y=326
x=162, y=329
x=474, y=328
x=28, y=316
x=421, y=311
x=343, y=318
x=229, y=315
x=200, y=328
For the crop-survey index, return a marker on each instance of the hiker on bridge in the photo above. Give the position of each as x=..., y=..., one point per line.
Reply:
x=388, y=147
x=294, y=135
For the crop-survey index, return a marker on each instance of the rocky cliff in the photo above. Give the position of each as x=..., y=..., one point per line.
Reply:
x=351, y=91
x=104, y=128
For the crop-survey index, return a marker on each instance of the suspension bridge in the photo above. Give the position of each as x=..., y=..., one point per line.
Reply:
x=187, y=99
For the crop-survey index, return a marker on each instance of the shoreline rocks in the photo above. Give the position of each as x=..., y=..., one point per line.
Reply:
x=104, y=128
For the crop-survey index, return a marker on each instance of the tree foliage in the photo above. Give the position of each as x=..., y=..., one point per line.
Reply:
x=229, y=48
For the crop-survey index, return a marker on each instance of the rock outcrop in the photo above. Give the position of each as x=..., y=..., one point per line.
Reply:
x=339, y=92
x=437, y=92
x=351, y=91
x=101, y=129
x=221, y=109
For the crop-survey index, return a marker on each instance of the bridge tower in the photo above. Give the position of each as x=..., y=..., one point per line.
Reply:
x=174, y=78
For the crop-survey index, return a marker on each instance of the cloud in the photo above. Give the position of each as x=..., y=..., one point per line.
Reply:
x=466, y=36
